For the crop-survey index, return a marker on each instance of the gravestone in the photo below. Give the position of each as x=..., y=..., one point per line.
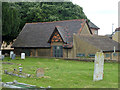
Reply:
x=20, y=69
x=3, y=56
x=0, y=53
x=98, y=66
x=40, y=72
x=22, y=55
x=11, y=52
x=0, y=57
x=13, y=56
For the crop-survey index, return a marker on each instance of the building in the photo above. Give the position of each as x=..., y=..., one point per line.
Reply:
x=94, y=28
x=88, y=45
x=56, y=39
x=116, y=35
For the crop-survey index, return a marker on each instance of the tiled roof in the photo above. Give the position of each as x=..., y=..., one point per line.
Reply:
x=92, y=25
x=102, y=42
x=117, y=29
x=38, y=34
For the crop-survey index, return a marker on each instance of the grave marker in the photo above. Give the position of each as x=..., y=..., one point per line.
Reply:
x=22, y=55
x=11, y=52
x=98, y=66
x=13, y=56
x=40, y=72
x=0, y=53
x=20, y=69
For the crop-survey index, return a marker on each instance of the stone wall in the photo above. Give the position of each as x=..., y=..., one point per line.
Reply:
x=68, y=53
x=83, y=47
x=85, y=29
x=116, y=36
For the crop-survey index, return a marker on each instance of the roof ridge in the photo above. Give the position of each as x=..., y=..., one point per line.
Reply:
x=57, y=21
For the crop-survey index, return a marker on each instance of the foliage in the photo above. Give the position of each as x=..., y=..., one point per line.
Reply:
x=10, y=20
x=62, y=73
x=15, y=15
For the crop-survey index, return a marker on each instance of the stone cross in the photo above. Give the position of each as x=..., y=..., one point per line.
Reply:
x=98, y=66
x=40, y=72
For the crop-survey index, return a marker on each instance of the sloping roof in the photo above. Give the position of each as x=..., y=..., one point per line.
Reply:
x=61, y=31
x=117, y=29
x=38, y=34
x=101, y=42
x=92, y=25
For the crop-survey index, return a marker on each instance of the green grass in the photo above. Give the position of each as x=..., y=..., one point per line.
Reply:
x=62, y=73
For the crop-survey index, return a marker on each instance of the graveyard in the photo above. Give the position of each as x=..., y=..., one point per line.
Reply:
x=58, y=73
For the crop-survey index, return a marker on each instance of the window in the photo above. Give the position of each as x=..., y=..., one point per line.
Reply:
x=57, y=51
x=91, y=55
x=107, y=55
x=114, y=54
x=80, y=55
x=96, y=32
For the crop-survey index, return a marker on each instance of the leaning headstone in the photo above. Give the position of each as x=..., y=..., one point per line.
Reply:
x=98, y=66
x=11, y=52
x=22, y=55
x=40, y=72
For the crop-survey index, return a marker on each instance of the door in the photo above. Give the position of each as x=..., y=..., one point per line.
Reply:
x=57, y=51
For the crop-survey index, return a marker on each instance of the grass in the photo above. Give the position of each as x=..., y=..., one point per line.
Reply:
x=62, y=73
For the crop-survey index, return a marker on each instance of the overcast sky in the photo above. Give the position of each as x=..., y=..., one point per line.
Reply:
x=103, y=13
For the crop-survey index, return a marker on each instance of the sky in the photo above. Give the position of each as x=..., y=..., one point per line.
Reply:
x=103, y=13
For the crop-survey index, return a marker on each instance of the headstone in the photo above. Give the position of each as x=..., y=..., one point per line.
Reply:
x=13, y=56
x=20, y=69
x=28, y=75
x=5, y=71
x=0, y=53
x=11, y=52
x=22, y=55
x=3, y=57
x=0, y=57
x=40, y=72
x=98, y=66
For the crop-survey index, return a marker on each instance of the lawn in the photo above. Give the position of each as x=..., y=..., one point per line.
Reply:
x=62, y=73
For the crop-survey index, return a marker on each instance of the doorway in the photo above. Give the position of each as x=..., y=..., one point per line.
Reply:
x=57, y=51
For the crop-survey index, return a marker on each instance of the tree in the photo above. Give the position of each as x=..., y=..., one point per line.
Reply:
x=15, y=15
x=10, y=21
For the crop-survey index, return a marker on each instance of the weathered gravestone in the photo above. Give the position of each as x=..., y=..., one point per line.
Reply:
x=13, y=56
x=40, y=72
x=1, y=56
x=22, y=55
x=11, y=53
x=98, y=66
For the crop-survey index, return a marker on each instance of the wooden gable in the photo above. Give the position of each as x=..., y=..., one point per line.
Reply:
x=56, y=37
